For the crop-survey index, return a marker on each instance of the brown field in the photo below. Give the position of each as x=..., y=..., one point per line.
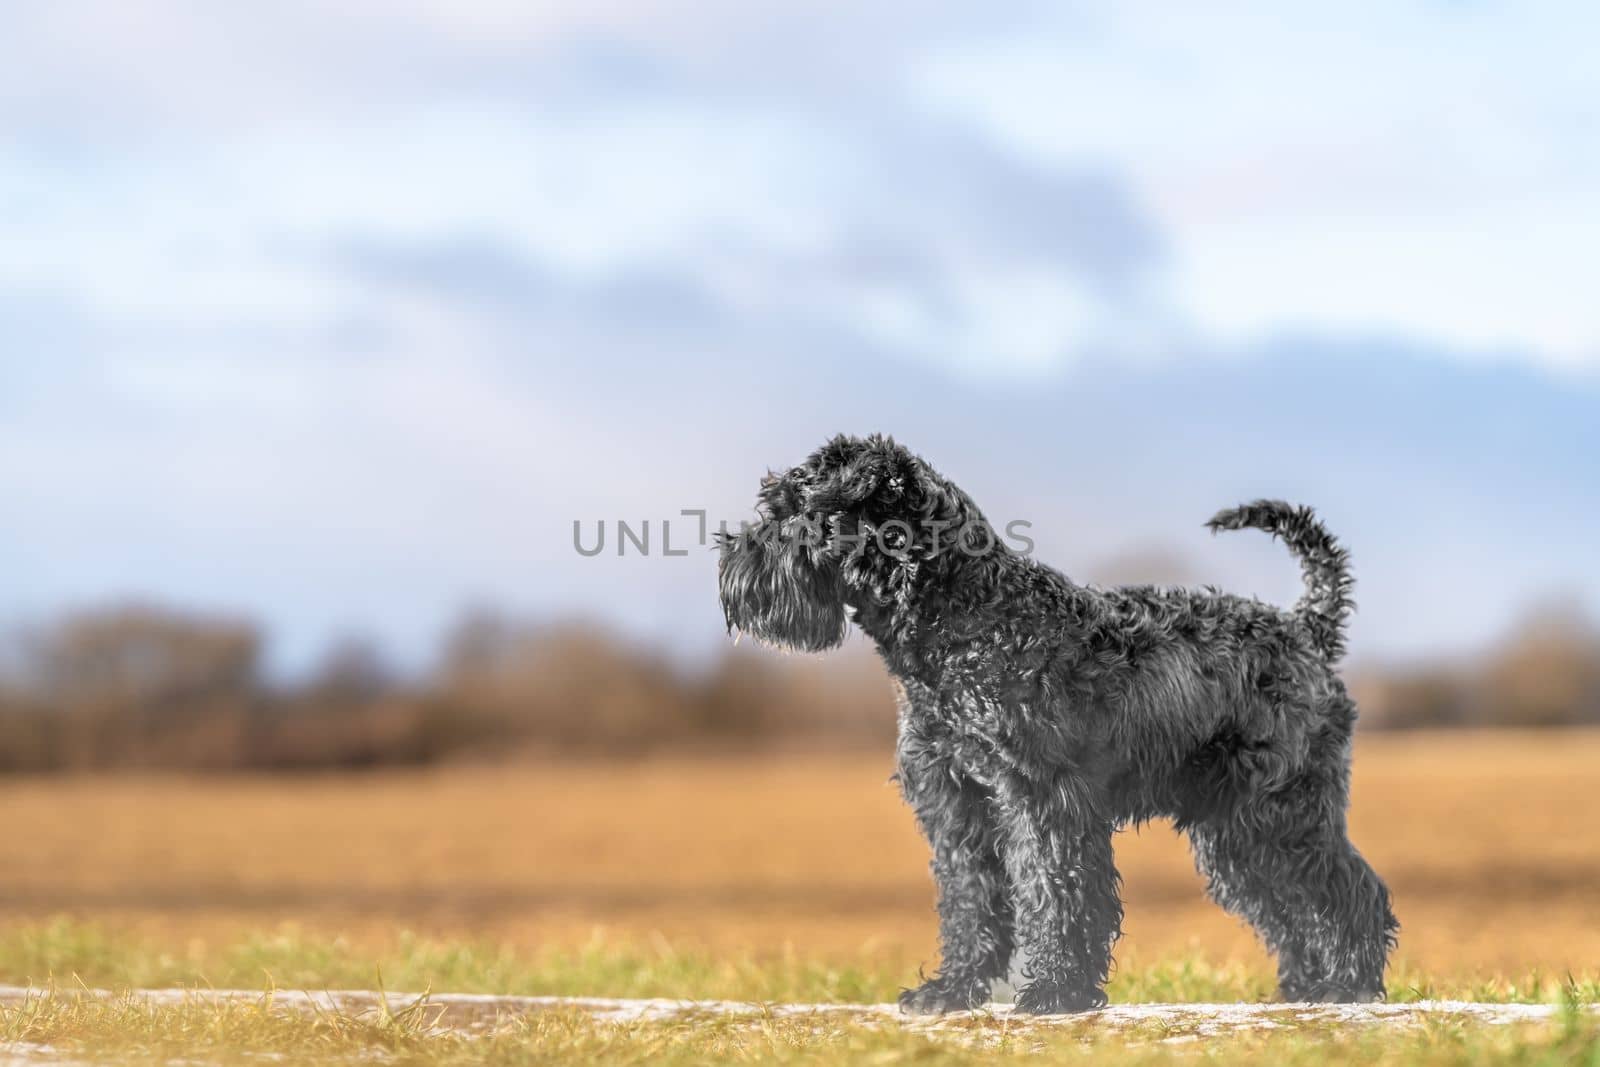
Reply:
x=1490, y=841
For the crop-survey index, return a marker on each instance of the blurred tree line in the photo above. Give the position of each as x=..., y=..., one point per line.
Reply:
x=143, y=686
x=1545, y=673
x=147, y=687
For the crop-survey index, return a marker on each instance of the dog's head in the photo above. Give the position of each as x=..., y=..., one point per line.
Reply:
x=851, y=527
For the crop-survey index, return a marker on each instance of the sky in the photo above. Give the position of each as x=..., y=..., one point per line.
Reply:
x=340, y=315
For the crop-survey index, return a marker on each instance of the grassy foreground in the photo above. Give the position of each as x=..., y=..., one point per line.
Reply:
x=66, y=957
x=775, y=879
x=65, y=954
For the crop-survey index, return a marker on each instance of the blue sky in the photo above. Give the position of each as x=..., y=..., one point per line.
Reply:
x=339, y=314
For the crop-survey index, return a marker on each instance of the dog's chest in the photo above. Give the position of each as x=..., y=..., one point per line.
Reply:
x=974, y=729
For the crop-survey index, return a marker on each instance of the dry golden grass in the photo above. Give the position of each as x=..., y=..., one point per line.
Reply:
x=1490, y=842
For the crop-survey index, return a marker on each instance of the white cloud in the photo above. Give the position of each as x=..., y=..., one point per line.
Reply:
x=1424, y=171
x=895, y=239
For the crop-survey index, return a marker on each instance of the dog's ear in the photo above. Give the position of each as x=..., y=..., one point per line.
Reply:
x=848, y=473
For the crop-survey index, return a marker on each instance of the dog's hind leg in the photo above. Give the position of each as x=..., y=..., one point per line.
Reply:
x=1287, y=866
x=957, y=817
x=1230, y=860
x=1064, y=887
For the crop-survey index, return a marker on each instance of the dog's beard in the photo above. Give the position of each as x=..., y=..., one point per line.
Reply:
x=782, y=592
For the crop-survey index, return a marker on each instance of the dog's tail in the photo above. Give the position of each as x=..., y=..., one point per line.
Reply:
x=1327, y=602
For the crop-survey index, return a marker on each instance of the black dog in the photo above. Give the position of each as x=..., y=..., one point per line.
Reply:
x=1037, y=717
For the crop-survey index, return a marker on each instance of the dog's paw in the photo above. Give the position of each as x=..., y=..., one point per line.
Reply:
x=940, y=995
x=1041, y=997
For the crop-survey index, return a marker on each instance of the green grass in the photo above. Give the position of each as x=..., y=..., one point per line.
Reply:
x=65, y=956
x=71, y=952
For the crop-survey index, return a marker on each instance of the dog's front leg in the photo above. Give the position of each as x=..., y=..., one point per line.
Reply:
x=956, y=815
x=1064, y=893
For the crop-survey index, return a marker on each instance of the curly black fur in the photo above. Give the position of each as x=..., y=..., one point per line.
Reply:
x=1038, y=716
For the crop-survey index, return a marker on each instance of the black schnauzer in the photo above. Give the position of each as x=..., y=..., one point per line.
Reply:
x=1038, y=717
